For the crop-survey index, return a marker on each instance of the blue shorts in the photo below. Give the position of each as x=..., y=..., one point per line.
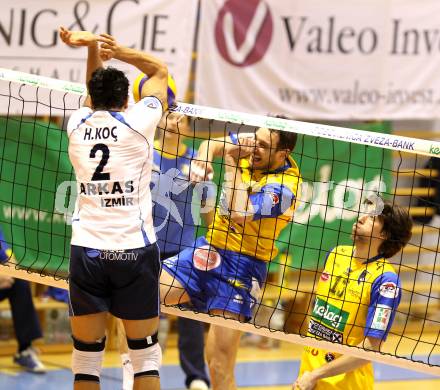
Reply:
x=218, y=279
x=124, y=283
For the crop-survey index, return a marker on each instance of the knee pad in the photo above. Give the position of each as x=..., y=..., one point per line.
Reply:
x=145, y=355
x=87, y=360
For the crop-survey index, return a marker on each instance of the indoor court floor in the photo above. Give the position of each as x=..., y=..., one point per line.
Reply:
x=269, y=369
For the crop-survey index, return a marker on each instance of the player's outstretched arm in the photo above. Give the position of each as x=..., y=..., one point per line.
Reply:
x=155, y=69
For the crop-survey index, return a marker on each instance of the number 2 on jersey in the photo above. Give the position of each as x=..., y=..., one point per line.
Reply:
x=98, y=175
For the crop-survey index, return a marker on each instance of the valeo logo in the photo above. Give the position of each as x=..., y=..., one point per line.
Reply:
x=330, y=315
x=434, y=150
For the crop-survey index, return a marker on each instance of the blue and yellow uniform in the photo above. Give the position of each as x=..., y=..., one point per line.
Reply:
x=222, y=271
x=273, y=197
x=354, y=299
x=172, y=196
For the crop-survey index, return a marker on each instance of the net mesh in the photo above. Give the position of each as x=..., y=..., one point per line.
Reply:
x=38, y=193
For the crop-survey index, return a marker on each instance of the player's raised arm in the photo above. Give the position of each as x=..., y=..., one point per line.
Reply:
x=91, y=41
x=236, y=195
x=155, y=69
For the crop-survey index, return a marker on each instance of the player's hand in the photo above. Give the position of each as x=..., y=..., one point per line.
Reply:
x=201, y=171
x=6, y=282
x=109, y=47
x=77, y=38
x=244, y=148
x=306, y=381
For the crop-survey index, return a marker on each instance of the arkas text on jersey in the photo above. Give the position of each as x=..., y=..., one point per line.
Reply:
x=105, y=188
x=110, y=188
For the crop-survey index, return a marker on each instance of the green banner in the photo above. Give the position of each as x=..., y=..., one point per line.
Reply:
x=33, y=163
x=338, y=176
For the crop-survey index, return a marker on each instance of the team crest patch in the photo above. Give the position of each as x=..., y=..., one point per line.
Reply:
x=151, y=103
x=381, y=317
x=329, y=357
x=238, y=299
x=206, y=258
x=325, y=276
x=389, y=290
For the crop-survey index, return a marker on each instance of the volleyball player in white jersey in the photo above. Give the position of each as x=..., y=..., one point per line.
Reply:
x=114, y=265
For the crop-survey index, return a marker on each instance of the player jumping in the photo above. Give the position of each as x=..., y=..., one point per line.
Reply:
x=114, y=264
x=220, y=272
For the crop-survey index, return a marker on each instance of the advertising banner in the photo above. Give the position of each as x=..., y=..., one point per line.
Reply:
x=29, y=39
x=312, y=59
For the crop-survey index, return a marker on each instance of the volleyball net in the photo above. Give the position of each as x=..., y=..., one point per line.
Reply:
x=340, y=169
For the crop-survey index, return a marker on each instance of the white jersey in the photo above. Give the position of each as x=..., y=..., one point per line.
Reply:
x=112, y=154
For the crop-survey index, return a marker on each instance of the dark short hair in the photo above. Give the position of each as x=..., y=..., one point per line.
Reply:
x=108, y=88
x=397, y=226
x=286, y=139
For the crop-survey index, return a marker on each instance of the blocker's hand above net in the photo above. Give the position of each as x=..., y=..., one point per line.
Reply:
x=109, y=47
x=78, y=38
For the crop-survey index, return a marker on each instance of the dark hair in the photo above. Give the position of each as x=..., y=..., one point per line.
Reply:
x=397, y=226
x=286, y=139
x=108, y=88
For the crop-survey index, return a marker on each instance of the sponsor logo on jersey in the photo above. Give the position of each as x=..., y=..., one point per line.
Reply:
x=118, y=255
x=389, y=290
x=330, y=315
x=116, y=202
x=325, y=276
x=363, y=276
x=355, y=293
x=107, y=188
x=237, y=283
x=206, y=258
x=381, y=318
x=110, y=188
x=323, y=332
x=329, y=357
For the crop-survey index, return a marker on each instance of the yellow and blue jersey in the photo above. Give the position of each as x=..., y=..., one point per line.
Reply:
x=172, y=195
x=5, y=250
x=354, y=299
x=273, y=195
